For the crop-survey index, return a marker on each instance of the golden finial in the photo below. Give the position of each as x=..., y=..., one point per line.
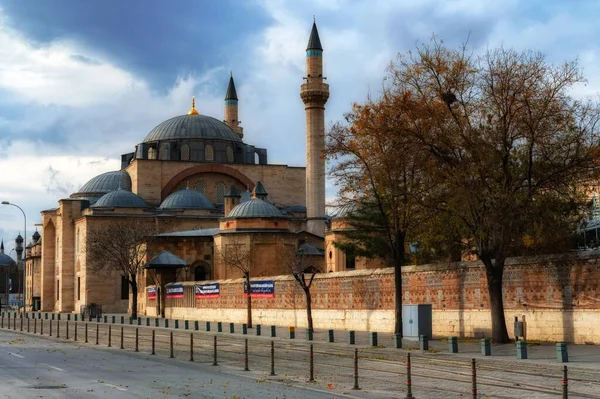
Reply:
x=193, y=110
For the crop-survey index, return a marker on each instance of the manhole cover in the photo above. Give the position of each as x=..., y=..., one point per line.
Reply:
x=49, y=387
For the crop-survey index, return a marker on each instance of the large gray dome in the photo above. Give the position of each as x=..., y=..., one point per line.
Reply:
x=6, y=260
x=107, y=182
x=186, y=199
x=255, y=208
x=192, y=127
x=120, y=199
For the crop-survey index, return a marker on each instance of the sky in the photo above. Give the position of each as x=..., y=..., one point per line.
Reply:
x=82, y=82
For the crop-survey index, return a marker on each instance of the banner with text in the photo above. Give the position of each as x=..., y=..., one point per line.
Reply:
x=260, y=289
x=151, y=293
x=208, y=290
x=175, y=291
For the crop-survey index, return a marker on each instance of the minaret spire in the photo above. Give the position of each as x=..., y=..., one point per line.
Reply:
x=314, y=93
x=231, y=108
x=2, y=246
x=193, y=111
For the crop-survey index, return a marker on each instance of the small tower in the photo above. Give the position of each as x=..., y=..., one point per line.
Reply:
x=314, y=93
x=260, y=192
x=231, y=108
x=19, y=247
x=232, y=198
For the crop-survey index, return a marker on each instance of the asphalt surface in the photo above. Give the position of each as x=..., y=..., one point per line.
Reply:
x=37, y=367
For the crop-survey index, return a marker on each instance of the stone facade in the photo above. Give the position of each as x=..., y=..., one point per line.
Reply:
x=557, y=298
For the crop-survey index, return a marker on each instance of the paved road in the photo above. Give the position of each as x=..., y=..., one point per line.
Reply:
x=35, y=367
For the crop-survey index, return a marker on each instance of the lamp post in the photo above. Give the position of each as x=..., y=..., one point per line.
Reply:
x=24, y=259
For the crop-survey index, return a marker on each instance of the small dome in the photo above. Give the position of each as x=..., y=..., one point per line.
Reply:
x=120, y=199
x=255, y=208
x=6, y=260
x=186, y=199
x=107, y=182
x=192, y=126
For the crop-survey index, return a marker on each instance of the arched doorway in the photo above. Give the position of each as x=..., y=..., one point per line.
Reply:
x=202, y=271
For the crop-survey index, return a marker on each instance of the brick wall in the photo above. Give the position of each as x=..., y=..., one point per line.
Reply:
x=558, y=297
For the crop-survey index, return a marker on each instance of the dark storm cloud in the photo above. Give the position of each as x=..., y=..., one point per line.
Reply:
x=158, y=40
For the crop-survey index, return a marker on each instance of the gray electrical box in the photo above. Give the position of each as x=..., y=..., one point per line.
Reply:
x=416, y=321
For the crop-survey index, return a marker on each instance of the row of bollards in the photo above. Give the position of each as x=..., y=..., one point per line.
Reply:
x=452, y=344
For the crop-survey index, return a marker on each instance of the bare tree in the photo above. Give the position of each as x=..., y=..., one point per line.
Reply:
x=120, y=246
x=303, y=263
x=239, y=255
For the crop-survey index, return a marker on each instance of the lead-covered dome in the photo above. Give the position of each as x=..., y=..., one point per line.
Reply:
x=255, y=208
x=107, y=182
x=193, y=126
x=186, y=199
x=120, y=199
x=6, y=260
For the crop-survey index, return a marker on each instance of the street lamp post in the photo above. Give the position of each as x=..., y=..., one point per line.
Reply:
x=24, y=283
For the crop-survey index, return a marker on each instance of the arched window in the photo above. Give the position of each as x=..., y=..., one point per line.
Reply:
x=202, y=272
x=151, y=153
x=200, y=187
x=229, y=154
x=185, y=152
x=209, y=153
x=163, y=154
x=220, y=193
x=256, y=159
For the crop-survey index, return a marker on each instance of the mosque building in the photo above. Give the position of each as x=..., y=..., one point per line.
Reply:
x=203, y=188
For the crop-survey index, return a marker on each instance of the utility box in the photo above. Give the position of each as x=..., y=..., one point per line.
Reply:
x=416, y=321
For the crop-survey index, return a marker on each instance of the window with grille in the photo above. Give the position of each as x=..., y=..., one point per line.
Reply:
x=229, y=154
x=209, y=153
x=151, y=153
x=185, y=152
x=220, y=193
x=200, y=187
x=163, y=154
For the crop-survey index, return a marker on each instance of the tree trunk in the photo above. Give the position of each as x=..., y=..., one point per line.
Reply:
x=494, y=272
x=249, y=298
x=309, y=318
x=134, y=299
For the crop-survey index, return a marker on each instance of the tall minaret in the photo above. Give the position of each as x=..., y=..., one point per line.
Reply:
x=314, y=94
x=19, y=247
x=231, y=109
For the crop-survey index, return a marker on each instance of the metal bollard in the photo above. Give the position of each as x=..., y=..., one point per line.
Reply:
x=15, y=323
x=351, y=337
x=139, y=321
x=330, y=336
x=21, y=323
x=219, y=327
x=244, y=329
x=355, y=369
x=196, y=325
x=231, y=328
x=186, y=325
x=75, y=339
x=109, y=335
x=105, y=319
x=9, y=321
x=75, y=316
x=474, y=379
x=565, y=384
x=86, y=333
x=122, y=319
x=122, y=347
x=2, y=325
x=486, y=347
x=176, y=324
x=258, y=329
x=291, y=332
x=453, y=344
x=309, y=334
x=272, y=358
x=34, y=325
x=153, y=343
x=172, y=355
x=409, y=394
x=28, y=324
x=67, y=330
x=42, y=327
x=57, y=328
x=311, y=363
x=246, y=355
x=562, y=356
x=215, y=351
x=208, y=326
x=156, y=322
x=273, y=331
x=521, y=349
x=191, y=347
x=97, y=334
x=424, y=342
x=50, y=332
x=114, y=319
x=147, y=322
x=373, y=338
x=137, y=340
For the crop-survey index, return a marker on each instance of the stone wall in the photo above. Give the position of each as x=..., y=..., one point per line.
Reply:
x=558, y=298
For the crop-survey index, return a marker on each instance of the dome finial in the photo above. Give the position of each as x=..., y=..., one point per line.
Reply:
x=193, y=110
